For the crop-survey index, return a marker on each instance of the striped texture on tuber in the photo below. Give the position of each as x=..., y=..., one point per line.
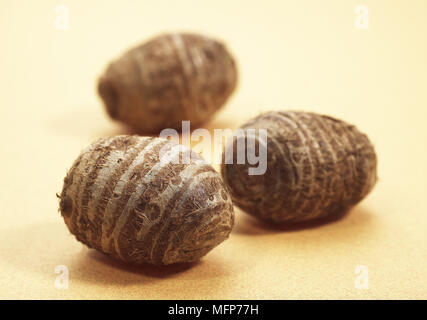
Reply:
x=171, y=78
x=317, y=166
x=130, y=198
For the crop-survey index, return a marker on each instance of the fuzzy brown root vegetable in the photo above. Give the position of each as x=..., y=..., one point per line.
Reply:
x=317, y=166
x=130, y=197
x=171, y=78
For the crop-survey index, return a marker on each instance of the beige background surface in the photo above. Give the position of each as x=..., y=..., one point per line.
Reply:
x=292, y=55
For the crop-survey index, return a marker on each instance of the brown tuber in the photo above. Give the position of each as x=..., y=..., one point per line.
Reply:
x=134, y=199
x=317, y=166
x=173, y=77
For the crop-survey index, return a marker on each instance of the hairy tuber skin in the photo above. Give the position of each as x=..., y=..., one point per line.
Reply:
x=122, y=199
x=171, y=78
x=317, y=166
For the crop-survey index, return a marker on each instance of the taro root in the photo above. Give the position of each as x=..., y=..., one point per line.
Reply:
x=317, y=166
x=171, y=78
x=134, y=199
